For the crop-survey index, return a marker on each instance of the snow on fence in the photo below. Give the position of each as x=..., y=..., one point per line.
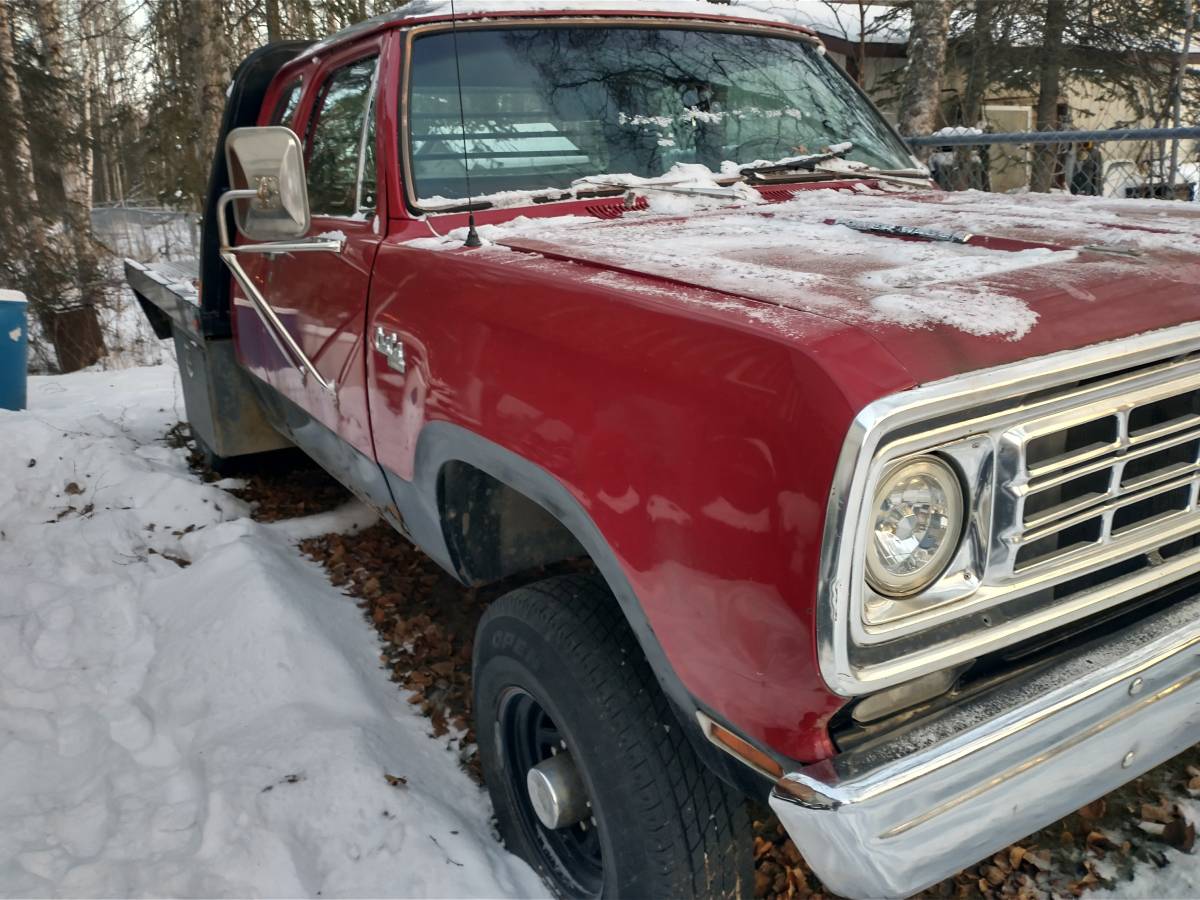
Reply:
x=1132, y=163
x=147, y=233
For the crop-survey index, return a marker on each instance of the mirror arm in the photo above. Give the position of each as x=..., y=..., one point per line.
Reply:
x=223, y=220
x=282, y=337
x=316, y=245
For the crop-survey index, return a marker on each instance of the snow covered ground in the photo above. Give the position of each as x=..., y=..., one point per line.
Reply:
x=187, y=707
x=1180, y=878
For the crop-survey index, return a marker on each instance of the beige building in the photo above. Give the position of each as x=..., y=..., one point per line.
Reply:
x=869, y=41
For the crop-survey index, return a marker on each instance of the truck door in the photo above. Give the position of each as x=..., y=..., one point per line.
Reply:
x=321, y=298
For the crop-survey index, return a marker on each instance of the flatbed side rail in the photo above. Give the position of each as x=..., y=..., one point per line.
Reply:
x=169, y=289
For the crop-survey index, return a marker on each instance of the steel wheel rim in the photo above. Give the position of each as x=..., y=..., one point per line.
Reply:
x=526, y=735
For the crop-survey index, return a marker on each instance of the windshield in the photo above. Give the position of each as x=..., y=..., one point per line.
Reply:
x=546, y=106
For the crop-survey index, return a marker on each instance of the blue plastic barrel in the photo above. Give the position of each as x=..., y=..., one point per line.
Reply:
x=14, y=346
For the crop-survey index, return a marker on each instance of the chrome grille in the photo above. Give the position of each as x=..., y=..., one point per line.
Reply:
x=1082, y=470
x=1096, y=502
x=1124, y=472
x=1095, y=481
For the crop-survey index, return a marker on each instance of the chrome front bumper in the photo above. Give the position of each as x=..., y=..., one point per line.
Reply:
x=889, y=821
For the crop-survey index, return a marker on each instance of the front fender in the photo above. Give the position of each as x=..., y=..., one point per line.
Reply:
x=686, y=438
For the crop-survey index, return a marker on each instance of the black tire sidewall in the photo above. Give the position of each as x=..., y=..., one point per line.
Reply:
x=512, y=654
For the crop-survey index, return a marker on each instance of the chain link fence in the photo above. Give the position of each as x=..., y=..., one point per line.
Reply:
x=1128, y=163
x=147, y=233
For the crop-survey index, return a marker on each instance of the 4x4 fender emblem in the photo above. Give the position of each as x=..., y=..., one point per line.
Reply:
x=388, y=343
x=390, y=346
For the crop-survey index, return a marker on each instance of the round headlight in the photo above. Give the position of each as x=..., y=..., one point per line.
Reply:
x=916, y=519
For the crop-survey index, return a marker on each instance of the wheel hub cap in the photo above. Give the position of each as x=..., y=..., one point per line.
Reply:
x=556, y=792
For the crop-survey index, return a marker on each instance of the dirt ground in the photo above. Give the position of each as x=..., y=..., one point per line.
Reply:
x=426, y=623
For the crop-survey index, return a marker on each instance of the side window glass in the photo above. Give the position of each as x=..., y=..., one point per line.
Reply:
x=285, y=108
x=366, y=190
x=337, y=141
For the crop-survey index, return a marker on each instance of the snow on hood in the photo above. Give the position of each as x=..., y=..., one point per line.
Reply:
x=793, y=257
x=817, y=252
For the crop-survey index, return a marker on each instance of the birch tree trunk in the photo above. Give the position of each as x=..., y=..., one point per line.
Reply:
x=203, y=61
x=1045, y=156
x=19, y=173
x=74, y=323
x=921, y=93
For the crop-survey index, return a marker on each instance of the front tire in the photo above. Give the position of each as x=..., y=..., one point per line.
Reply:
x=559, y=672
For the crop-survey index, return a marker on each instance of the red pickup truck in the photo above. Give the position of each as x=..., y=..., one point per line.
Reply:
x=876, y=502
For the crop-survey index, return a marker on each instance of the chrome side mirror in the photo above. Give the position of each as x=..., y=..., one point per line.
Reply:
x=267, y=184
x=270, y=202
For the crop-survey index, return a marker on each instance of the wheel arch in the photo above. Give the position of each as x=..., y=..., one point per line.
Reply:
x=494, y=530
x=443, y=445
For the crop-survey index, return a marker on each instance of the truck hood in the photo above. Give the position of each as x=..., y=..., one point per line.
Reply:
x=945, y=282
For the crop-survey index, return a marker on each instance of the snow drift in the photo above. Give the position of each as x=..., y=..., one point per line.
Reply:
x=186, y=706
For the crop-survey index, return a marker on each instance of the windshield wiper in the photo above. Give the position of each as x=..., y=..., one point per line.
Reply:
x=806, y=163
x=815, y=163
x=721, y=193
x=473, y=206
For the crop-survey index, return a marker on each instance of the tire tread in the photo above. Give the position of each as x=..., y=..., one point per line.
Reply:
x=691, y=816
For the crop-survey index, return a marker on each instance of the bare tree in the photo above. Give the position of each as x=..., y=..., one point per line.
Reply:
x=73, y=323
x=19, y=171
x=1050, y=86
x=205, y=65
x=274, y=23
x=978, y=70
x=970, y=169
x=921, y=92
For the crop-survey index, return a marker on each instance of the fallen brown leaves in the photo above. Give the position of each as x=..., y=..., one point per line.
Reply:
x=426, y=621
x=285, y=485
x=302, y=491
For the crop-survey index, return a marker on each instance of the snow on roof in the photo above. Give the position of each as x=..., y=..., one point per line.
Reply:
x=426, y=8
x=7, y=296
x=829, y=17
x=785, y=12
x=834, y=19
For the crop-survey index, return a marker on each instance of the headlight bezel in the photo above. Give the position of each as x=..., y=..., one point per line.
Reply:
x=940, y=473
x=880, y=617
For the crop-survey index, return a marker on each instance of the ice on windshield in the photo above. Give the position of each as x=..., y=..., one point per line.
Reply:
x=545, y=107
